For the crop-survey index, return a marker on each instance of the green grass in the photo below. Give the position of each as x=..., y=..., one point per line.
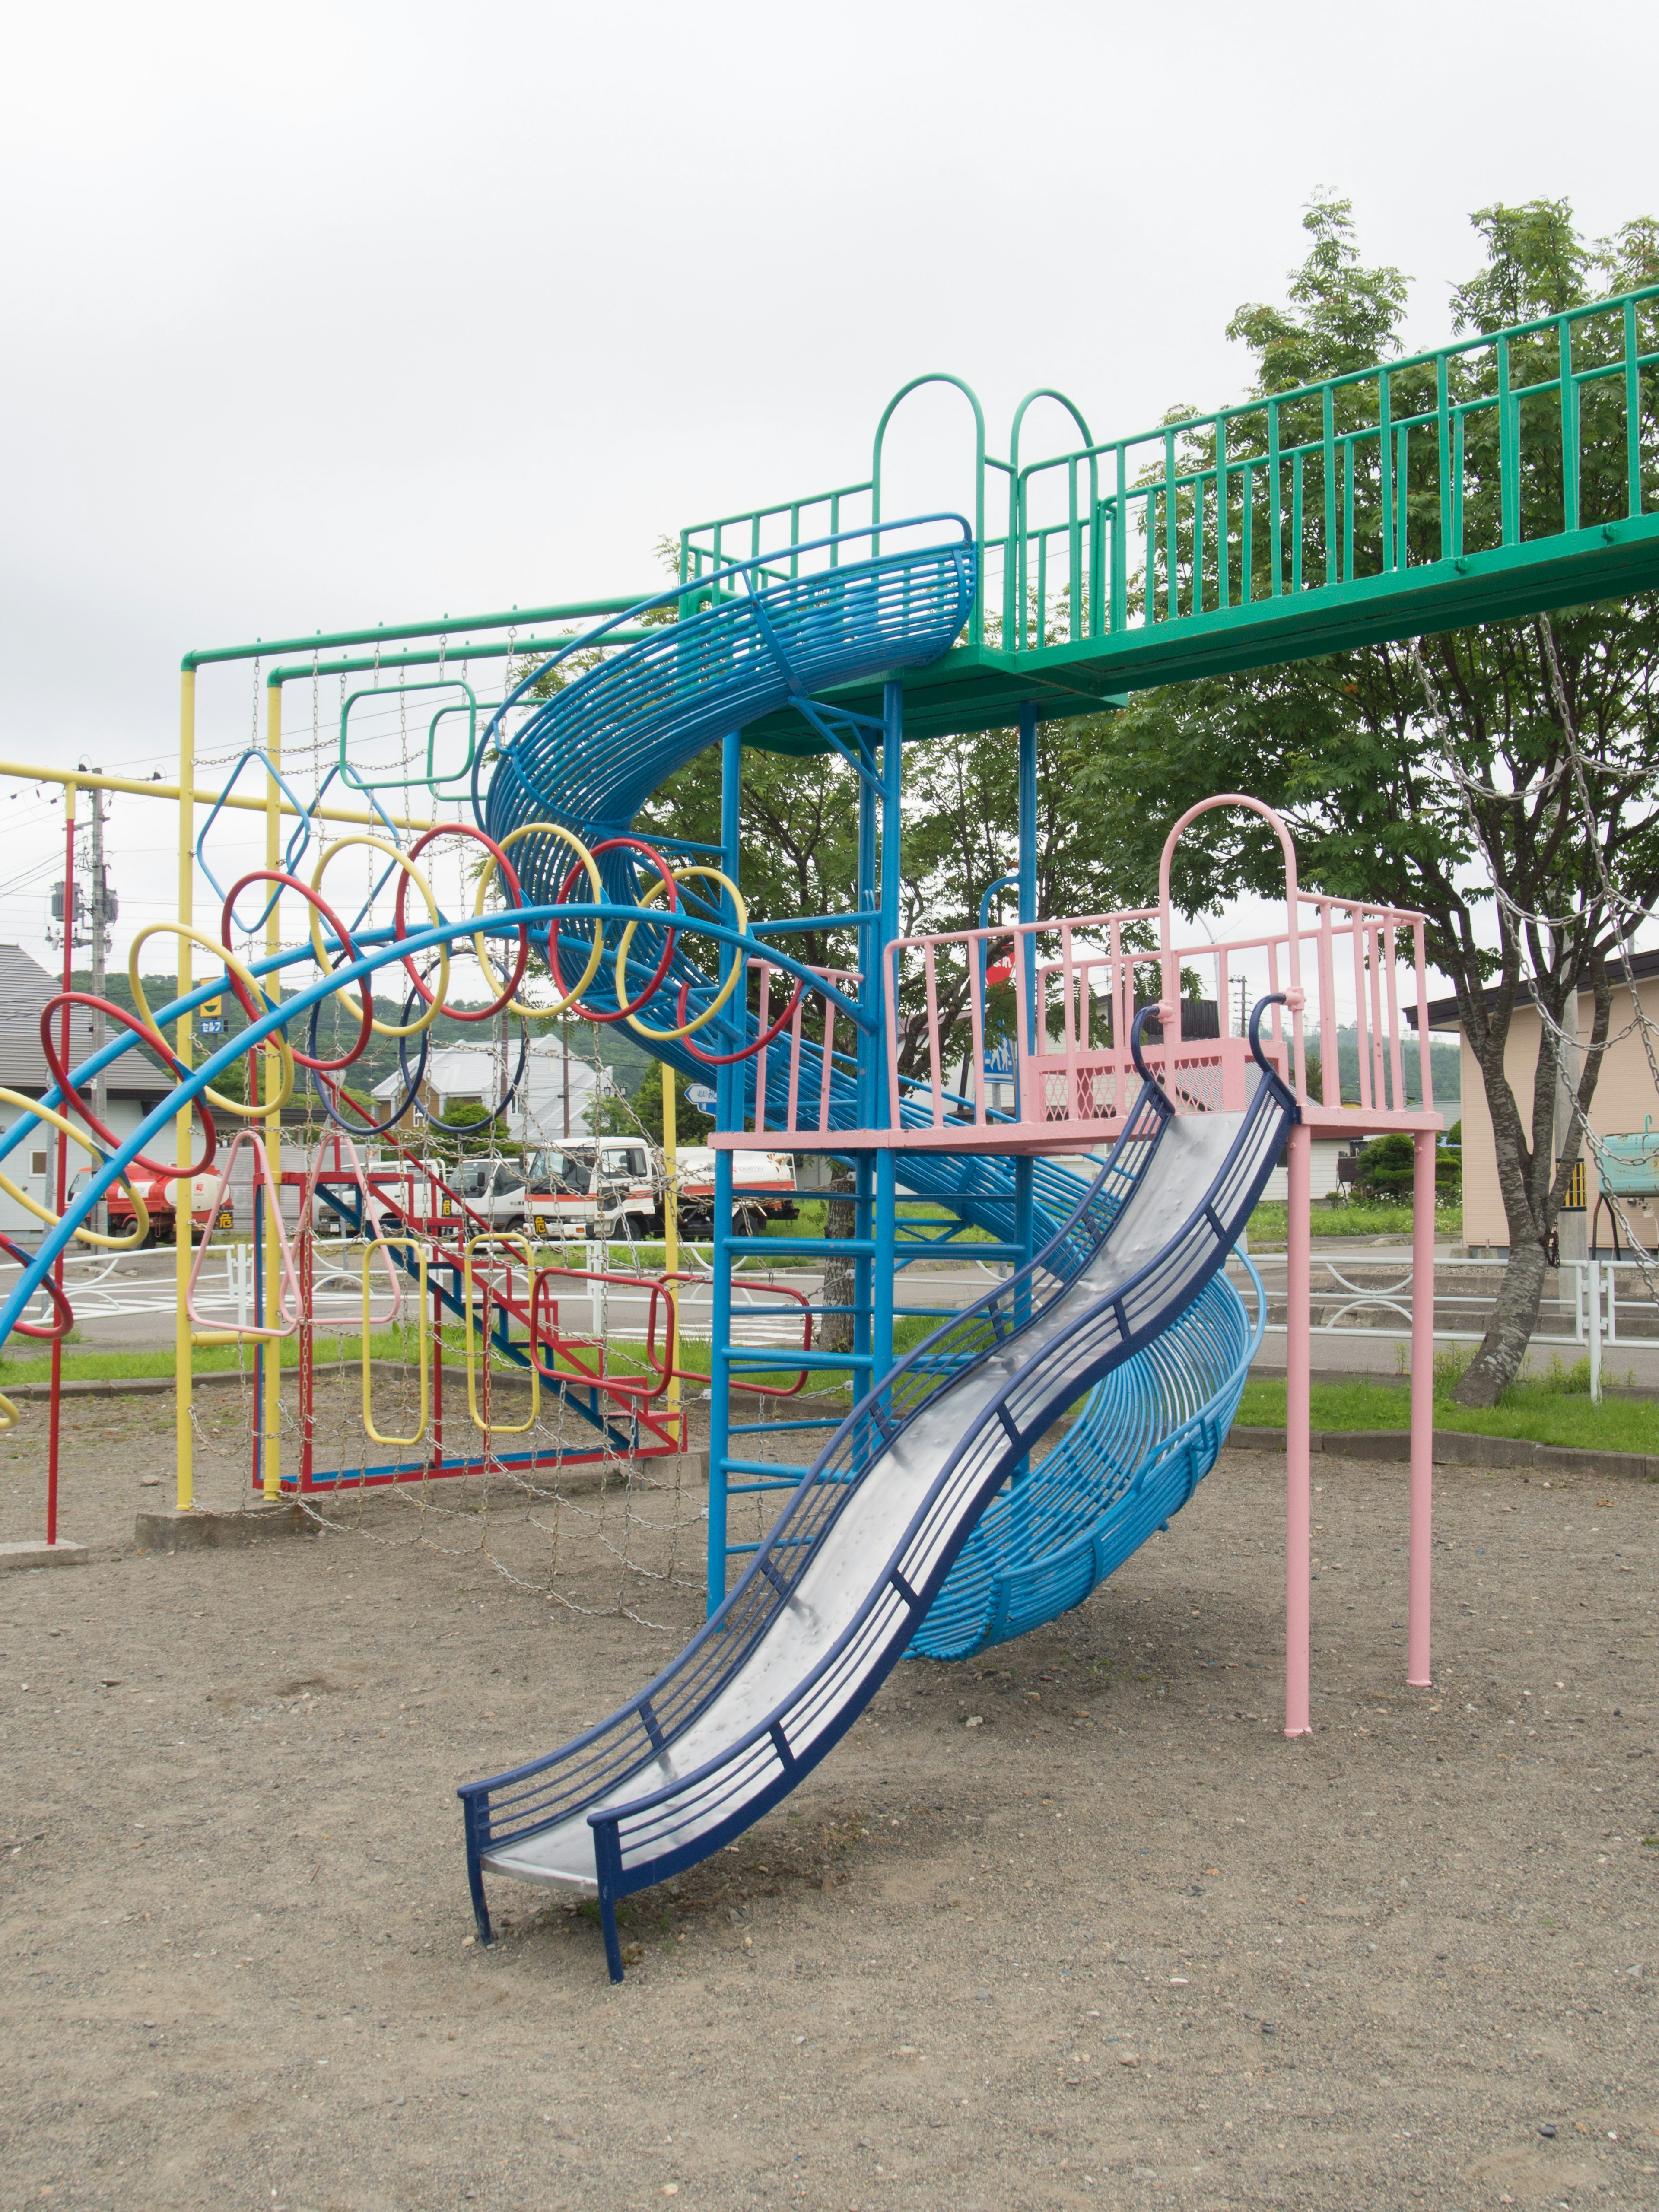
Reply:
x=1270, y=1222
x=1553, y=1408
x=212, y=1359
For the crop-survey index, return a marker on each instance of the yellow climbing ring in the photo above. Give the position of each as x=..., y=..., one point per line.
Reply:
x=643, y=1029
x=497, y=983
x=8, y=1416
x=140, y=1211
x=250, y=983
x=354, y=991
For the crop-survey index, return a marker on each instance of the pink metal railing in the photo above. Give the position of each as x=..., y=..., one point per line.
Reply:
x=1078, y=983
x=845, y=979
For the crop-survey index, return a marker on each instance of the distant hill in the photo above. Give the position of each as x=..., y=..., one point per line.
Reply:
x=338, y=1026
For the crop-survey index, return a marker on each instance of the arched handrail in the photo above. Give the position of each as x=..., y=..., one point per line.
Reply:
x=937, y=376
x=1295, y=997
x=1016, y=569
x=1043, y=392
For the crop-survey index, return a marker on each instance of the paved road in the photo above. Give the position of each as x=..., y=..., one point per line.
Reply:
x=125, y=1302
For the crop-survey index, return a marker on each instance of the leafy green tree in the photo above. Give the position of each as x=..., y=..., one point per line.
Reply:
x=473, y=1129
x=1439, y=776
x=642, y=1115
x=1387, y=1168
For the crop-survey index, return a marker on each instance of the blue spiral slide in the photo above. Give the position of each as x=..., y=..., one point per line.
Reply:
x=923, y=1525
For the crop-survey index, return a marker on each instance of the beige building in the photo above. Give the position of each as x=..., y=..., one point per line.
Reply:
x=1626, y=1105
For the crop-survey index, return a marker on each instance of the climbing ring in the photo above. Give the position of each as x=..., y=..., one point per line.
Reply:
x=665, y=876
x=585, y=860
x=140, y=1211
x=254, y=1001
x=292, y=883
x=54, y=1293
x=710, y=875
x=320, y=953
x=400, y=927
x=71, y=1097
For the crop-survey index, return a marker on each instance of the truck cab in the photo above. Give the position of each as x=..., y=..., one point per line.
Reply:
x=588, y=1184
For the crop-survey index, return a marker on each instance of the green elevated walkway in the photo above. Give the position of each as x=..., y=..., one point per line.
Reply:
x=1511, y=472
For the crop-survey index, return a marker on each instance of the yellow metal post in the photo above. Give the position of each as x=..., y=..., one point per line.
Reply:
x=183, y=1435
x=271, y=1410
x=671, y=1233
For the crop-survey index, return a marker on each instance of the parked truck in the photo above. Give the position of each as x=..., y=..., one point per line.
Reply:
x=763, y=1189
x=160, y=1194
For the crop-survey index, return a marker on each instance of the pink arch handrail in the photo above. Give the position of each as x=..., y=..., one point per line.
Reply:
x=1168, y=1010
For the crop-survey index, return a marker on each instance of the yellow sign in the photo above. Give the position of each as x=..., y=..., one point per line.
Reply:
x=210, y=1007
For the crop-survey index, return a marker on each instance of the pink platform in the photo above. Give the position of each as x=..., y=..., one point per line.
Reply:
x=1078, y=983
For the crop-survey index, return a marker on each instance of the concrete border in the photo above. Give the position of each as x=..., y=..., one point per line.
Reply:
x=1457, y=1448
x=216, y=1532
x=15, y=1558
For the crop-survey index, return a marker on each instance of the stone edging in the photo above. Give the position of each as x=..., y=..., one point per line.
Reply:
x=1457, y=1447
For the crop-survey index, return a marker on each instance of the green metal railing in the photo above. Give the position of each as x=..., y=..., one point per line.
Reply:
x=1500, y=441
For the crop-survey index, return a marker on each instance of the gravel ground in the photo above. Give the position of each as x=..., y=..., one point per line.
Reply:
x=1074, y=1925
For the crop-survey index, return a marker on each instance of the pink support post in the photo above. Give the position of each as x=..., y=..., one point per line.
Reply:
x=1298, y=1433
x=1417, y=1674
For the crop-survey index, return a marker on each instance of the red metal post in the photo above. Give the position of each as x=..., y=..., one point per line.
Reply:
x=437, y=1432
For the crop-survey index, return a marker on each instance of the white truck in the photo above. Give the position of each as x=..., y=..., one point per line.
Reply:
x=762, y=1189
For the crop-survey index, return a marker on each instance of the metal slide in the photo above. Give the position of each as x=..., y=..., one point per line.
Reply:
x=593, y=752
x=846, y=1577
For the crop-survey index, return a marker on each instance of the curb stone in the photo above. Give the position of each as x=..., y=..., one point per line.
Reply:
x=213, y=1532
x=1457, y=1448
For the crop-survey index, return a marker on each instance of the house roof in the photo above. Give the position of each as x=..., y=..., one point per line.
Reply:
x=1444, y=1014
x=25, y=988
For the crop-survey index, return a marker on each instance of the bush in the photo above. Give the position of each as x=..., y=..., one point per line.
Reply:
x=1387, y=1168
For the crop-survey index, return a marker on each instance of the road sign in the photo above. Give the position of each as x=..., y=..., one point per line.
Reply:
x=699, y=1094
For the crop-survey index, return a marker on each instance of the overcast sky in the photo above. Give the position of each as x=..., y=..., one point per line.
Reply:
x=342, y=313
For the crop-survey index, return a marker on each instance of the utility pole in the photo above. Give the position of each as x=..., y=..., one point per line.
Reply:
x=102, y=908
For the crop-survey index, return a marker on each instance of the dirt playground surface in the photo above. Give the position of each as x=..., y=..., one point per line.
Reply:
x=1072, y=1924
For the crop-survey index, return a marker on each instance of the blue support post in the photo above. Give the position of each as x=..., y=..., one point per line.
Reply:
x=728, y=1114
x=1024, y=1166
x=883, y=1267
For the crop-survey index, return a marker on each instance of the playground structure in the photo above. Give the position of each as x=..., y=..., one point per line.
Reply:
x=822, y=624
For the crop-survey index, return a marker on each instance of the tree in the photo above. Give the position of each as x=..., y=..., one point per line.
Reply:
x=472, y=1129
x=1387, y=1168
x=612, y=1115
x=1440, y=776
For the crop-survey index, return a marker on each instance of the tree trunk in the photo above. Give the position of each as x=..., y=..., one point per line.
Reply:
x=1509, y=1332
x=835, y=1330
x=1533, y=1180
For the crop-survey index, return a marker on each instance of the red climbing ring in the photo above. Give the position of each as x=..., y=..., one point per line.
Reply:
x=509, y=876
x=53, y=1291
x=610, y=845
x=293, y=883
x=157, y=1043
x=728, y=1059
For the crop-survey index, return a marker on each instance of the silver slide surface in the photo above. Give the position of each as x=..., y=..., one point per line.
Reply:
x=791, y=1659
